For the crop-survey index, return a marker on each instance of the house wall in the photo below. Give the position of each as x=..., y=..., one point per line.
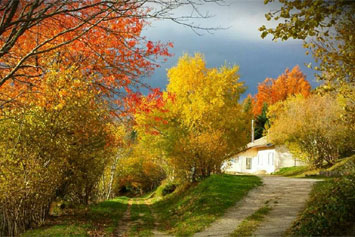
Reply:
x=285, y=159
x=267, y=160
x=238, y=162
x=261, y=160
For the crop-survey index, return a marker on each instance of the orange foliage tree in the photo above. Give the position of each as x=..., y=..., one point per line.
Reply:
x=291, y=82
x=102, y=38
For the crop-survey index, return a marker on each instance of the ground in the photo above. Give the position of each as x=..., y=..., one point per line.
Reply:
x=285, y=196
x=215, y=207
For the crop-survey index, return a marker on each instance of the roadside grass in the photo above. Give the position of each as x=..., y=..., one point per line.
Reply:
x=292, y=171
x=330, y=210
x=251, y=223
x=101, y=218
x=342, y=167
x=59, y=230
x=191, y=209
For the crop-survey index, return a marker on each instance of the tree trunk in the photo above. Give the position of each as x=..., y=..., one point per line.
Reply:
x=113, y=169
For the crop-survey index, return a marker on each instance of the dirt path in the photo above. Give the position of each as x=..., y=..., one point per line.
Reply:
x=155, y=232
x=124, y=223
x=287, y=196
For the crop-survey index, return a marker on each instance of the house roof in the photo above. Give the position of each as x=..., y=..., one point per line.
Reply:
x=261, y=142
x=258, y=143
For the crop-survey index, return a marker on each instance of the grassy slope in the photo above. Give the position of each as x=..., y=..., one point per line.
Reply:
x=330, y=209
x=343, y=166
x=187, y=212
x=292, y=171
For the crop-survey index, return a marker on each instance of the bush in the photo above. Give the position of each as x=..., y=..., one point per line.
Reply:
x=330, y=209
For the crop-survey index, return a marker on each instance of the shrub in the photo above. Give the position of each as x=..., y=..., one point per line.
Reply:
x=330, y=209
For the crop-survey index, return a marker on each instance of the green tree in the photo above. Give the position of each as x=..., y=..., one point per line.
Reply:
x=261, y=123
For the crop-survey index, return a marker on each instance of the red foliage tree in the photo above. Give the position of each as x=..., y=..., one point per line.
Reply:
x=101, y=38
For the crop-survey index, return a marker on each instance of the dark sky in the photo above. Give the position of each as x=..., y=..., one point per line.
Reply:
x=239, y=44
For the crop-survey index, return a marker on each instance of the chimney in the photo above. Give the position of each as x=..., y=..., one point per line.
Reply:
x=252, y=130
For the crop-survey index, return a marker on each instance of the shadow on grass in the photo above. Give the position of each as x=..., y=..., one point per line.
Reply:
x=97, y=219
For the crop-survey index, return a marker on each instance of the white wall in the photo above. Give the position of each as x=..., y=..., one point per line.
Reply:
x=268, y=160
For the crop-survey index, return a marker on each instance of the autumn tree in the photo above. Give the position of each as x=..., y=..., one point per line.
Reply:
x=273, y=90
x=55, y=144
x=291, y=82
x=200, y=122
x=311, y=128
x=327, y=29
x=103, y=37
x=139, y=170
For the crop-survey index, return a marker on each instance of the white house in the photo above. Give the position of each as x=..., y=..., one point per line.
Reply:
x=261, y=157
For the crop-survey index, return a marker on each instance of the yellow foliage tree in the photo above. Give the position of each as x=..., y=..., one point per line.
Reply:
x=312, y=128
x=53, y=142
x=201, y=123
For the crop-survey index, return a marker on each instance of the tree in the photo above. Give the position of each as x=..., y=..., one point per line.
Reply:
x=327, y=28
x=311, y=128
x=102, y=37
x=200, y=122
x=55, y=144
x=261, y=123
x=273, y=90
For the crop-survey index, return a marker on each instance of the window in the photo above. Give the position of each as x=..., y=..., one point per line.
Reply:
x=248, y=163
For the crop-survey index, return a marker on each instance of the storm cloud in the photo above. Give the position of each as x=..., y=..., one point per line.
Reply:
x=238, y=43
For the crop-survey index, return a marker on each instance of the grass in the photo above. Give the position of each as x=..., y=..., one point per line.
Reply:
x=189, y=209
x=101, y=218
x=330, y=210
x=59, y=230
x=252, y=222
x=186, y=212
x=143, y=221
x=342, y=167
x=292, y=171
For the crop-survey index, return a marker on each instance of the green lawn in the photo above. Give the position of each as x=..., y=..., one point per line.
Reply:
x=342, y=167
